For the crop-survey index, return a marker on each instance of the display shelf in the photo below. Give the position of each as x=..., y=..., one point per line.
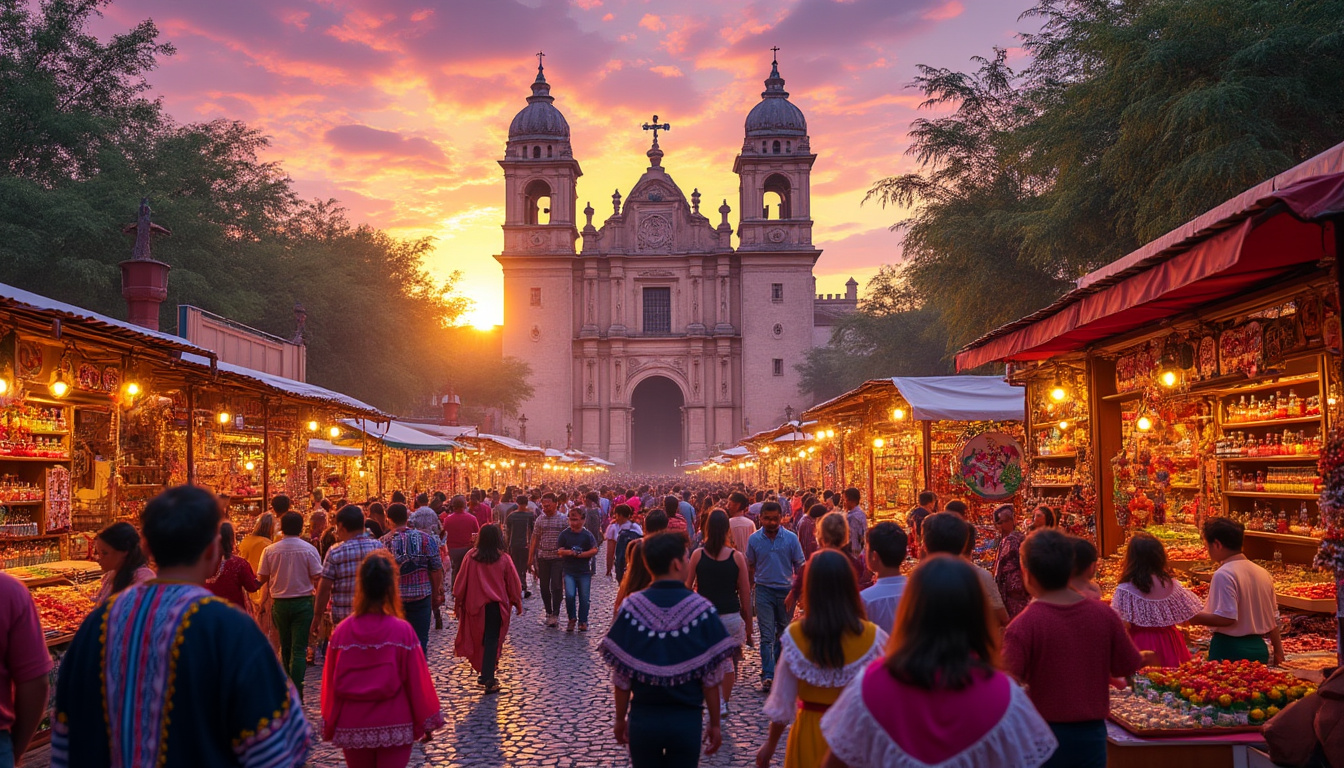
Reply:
x=1055, y=456
x=1235, y=425
x=1271, y=495
x=49, y=433
x=49, y=581
x=1286, y=538
x=1276, y=459
x=4, y=457
x=1261, y=384
x=1304, y=604
x=62, y=639
x=30, y=503
x=1053, y=485
x=10, y=539
x=1121, y=396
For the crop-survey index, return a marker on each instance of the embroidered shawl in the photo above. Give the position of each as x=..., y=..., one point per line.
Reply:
x=667, y=646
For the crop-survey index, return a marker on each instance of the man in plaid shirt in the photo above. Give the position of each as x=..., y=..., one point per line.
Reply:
x=417, y=555
x=341, y=569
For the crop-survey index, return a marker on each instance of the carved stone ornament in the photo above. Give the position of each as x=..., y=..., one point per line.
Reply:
x=535, y=241
x=657, y=273
x=776, y=235
x=655, y=232
x=778, y=330
x=536, y=333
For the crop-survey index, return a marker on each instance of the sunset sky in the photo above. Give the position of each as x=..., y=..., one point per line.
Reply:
x=400, y=108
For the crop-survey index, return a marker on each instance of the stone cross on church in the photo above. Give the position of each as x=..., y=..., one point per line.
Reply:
x=655, y=127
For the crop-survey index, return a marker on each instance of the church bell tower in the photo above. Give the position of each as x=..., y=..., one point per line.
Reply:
x=541, y=188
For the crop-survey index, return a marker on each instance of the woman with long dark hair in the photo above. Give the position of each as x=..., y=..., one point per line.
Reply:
x=485, y=589
x=1044, y=517
x=1152, y=602
x=821, y=654
x=938, y=697
x=377, y=695
x=235, y=578
x=637, y=576
x=117, y=550
x=719, y=573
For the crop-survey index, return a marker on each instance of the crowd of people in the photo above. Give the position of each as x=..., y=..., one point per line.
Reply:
x=879, y=643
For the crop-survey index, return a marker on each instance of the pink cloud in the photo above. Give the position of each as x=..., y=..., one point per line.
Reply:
x=363, y=140
x=652, y=23
x=951, y=10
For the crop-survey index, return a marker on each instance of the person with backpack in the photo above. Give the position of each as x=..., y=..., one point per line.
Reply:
x=619, y=534
x=592, y=521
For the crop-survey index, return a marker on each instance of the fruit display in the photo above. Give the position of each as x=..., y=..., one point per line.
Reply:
x=1308, y=644
x=1223, y=693
x=1141, y=714
x=61, y=609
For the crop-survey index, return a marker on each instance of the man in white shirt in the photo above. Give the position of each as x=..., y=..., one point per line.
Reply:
x=857, y=519
x=887, y=545
x=1241, y=607
x=290, y=568
x=620, y=523
x=740, y=526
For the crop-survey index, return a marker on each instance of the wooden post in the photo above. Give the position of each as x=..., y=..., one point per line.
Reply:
x=928, y=455
x=265, y=452
x=191, y=435
x=1104, y=423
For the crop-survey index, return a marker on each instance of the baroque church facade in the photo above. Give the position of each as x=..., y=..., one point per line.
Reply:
x=651, y=323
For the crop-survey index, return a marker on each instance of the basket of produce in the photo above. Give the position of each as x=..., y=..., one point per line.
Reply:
x=1205, y=697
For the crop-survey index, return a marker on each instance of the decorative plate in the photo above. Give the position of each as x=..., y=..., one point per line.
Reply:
x=1309, y=309
x=990, y=465
x=111, y=378
x=90, y=378
x=30, y=359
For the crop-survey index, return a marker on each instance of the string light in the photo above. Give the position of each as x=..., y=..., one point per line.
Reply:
x=249, y=466
x=334, y=432
x=1064, y=425
x=1144, y=423
x=224, y=417
x=312, y=426
x=878, y=442
x=59, y=386
x=898, y=414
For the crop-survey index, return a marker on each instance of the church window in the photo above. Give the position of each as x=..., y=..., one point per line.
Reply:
x=548, y=150
x=536, y=152
x=775, y=147
x=536, y=297
x=778, y=363
x=776, y=193
x=657, y=310
x=537, y=202
x=763, y=146
x=776, y=291
x=788, y=147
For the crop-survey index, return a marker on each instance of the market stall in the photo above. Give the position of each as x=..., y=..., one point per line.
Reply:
x=400, y=455
x=1200, y=376
x=958, y=436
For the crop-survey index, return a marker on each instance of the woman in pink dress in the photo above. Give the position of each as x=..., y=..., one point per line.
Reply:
x=377, y=696
x=1152, y=602
x=486, y=588
x=938, y=697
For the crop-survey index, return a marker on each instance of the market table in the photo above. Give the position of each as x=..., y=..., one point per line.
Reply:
x=1125, y=750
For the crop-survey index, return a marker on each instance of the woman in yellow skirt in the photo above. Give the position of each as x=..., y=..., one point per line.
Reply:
x=822, y=653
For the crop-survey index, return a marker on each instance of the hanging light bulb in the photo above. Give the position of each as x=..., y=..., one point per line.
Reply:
x=4, y=386
x=334, y=432
x=224, y=417
x=1144, y=423
x=59, y=387
x=249, y=466
x=132, y=389
x=1058, y=392
x=1168, y=377
x=878, y=442
x=1064, y=425
x=312, y=426
x=898, y=414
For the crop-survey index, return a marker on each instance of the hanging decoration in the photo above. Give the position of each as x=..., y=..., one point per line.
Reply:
x=990, y=465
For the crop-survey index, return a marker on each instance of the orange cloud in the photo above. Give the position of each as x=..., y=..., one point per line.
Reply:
x=951, y=10
x=652, y=23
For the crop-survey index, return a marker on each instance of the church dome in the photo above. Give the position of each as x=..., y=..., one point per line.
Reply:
x=539, y=119
x=775, y=115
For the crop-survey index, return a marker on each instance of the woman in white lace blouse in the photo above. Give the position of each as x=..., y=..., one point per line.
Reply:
x=1152, y=602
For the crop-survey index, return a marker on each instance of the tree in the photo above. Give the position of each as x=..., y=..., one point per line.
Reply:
x=82, y=145
x=1133, y=117
x=889, y=335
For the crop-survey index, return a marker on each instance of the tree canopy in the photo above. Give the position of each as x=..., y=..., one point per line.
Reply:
x=81, y=143
x=1130, y=118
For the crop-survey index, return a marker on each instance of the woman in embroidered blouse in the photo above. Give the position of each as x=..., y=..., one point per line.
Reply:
x=1152, y=602
x=938, y=697
x=1008, y=565
x=821, y=654
x=377, y=696
x=118, y=551
x=235, y=578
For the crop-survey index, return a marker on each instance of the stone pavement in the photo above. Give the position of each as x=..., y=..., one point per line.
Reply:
x=555, y=710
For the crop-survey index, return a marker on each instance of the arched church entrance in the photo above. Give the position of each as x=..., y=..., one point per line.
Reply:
x=656, y=430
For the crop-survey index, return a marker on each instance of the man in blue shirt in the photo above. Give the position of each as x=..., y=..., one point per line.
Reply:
x=773, y=556
x=887, y=546
x=686, y=508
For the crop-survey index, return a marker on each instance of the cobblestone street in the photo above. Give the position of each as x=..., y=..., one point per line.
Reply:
x=556, y=706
